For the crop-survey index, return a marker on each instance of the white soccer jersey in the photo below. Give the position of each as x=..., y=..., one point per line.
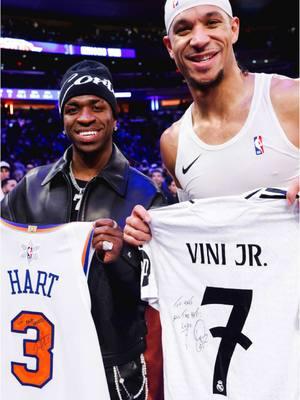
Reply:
x=49, y=345
x=224, y=274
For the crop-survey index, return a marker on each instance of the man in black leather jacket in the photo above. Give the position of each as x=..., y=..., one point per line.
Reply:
x=94, y=181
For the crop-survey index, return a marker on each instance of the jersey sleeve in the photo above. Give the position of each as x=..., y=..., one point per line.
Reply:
x=149, y=289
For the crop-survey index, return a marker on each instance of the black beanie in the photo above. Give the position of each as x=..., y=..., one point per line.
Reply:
x=87, y=77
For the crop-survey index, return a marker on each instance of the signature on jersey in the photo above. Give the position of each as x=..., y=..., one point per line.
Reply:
x=188, y=322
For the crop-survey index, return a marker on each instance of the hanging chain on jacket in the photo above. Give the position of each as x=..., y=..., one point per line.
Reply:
x=120, y=382
x=80, y=190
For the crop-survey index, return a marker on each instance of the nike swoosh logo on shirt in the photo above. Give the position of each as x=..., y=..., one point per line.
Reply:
x=185, y=170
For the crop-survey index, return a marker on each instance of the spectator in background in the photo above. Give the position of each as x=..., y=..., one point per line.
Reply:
x=5, y=170
x=29, y=167
x=158, y=179
x=144, y=167
x=172, y=191
x=5, y=174
x=7, y=185
x=18, y=174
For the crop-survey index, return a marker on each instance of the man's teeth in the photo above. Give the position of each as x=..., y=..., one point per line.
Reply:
x=205, y=58
x=88, y=133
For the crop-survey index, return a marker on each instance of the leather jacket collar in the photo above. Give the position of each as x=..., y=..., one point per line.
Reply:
x=115, y=173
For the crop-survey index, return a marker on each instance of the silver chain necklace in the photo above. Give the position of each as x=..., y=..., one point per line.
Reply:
x=74, y=182
x=78, y=196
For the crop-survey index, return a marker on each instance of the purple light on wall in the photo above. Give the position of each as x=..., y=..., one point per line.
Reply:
x=128, y=53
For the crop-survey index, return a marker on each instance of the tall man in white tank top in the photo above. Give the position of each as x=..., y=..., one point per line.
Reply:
x=242, y=130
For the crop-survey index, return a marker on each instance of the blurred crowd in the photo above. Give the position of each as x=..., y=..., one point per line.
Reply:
x=47, y=30
x=33, y=137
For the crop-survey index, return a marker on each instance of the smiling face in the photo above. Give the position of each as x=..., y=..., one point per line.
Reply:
x=200, y=42
x=89, y=124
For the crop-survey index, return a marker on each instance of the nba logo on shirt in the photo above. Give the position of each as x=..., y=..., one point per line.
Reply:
x=30, y=252
x=258, y=145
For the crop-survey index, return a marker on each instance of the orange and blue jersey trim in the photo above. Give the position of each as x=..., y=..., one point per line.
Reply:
x=86, y=252
x=37, y=228
x=31, y=228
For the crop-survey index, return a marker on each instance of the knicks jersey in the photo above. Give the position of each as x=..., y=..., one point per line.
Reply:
x=259, y=155
x=49, y=345
x=224, y=274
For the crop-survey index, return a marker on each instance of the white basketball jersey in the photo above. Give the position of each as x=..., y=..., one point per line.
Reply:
x=49, y=345
x=268, y=157
x=225, y=275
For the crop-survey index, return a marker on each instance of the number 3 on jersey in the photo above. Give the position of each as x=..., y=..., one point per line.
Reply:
x=39, y=348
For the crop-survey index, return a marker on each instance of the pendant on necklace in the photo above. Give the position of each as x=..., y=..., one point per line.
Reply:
x=78, y=197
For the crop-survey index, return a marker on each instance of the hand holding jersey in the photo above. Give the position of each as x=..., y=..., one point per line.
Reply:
x=137, y=230
x=107, y=239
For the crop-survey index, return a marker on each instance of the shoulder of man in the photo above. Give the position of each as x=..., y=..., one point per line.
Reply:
x=172, y=131
x=38, y=172
x=13, y=204
x=284, y=88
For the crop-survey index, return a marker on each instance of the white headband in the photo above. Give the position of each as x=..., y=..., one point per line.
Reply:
x=175, y=7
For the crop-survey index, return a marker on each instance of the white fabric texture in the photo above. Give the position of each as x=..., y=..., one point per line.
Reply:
x=49, y=344
x=224, y=274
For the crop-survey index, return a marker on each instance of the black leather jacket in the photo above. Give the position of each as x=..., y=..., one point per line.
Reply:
x=44, y=196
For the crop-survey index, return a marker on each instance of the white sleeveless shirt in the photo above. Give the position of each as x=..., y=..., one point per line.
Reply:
x=259, y=155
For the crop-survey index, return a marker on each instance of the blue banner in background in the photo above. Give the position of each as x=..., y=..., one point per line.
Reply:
x=66, y=49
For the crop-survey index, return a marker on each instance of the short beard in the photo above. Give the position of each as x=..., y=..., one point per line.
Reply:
x=202, y=86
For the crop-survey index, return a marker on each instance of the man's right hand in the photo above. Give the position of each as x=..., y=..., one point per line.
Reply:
x=137, y=231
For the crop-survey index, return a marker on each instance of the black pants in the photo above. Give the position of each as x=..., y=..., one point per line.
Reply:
x=132, y=375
